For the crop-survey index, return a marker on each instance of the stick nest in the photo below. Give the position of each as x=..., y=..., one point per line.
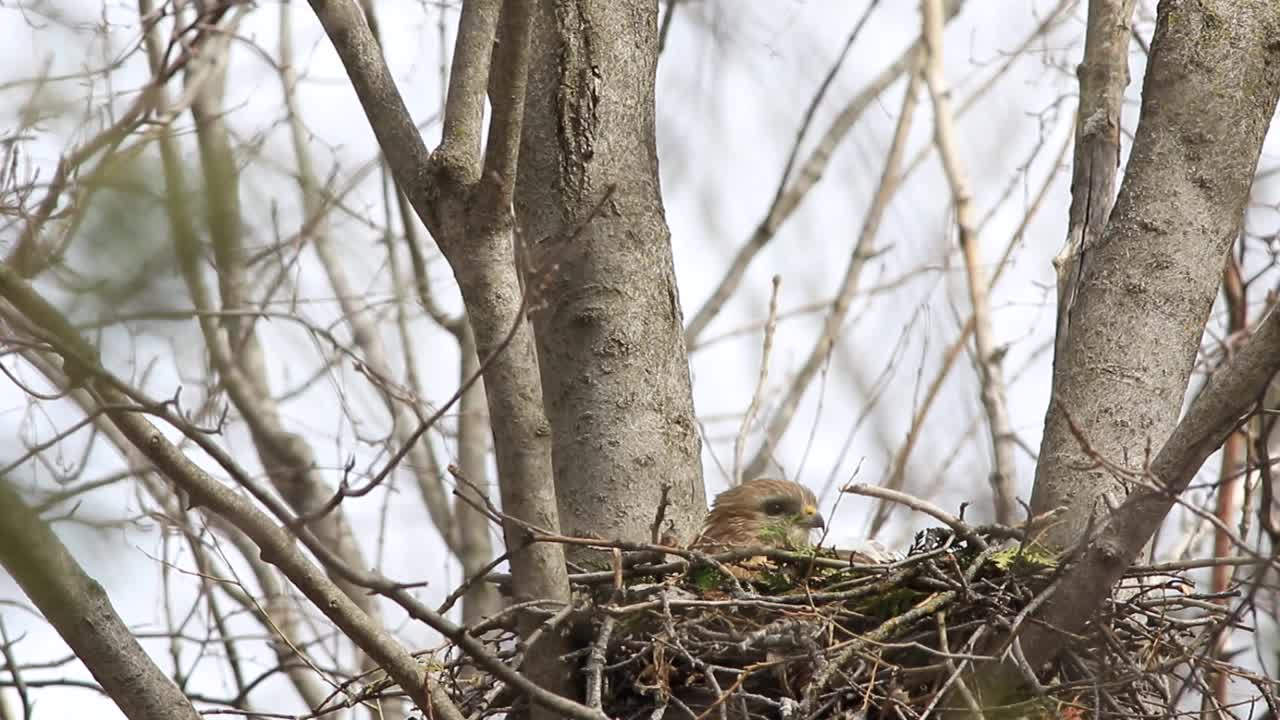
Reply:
x=810, y=636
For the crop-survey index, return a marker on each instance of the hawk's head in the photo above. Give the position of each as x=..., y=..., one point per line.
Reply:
x=765, y=512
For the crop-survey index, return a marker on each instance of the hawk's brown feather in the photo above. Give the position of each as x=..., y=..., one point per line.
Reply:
x=761, y=513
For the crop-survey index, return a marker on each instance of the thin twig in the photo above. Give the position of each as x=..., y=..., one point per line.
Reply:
x=766, y=349
x=1003, y=472
x=833, y=323
x=962, y=528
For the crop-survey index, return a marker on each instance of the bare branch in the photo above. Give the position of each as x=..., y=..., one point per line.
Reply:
x=79, y=609
x=347, y=29
x=507, y=90
x=474, y=546
x=1234, y=459
x=962, y=528
x=771, y=324
x=277, y=546
x=271, y=605
x=1003, y=475
x=364, y=332
x=468, y=79
x=890, y=180
x=788, y=197
x=1103, y=73
x=897, y=472
x=233, y=346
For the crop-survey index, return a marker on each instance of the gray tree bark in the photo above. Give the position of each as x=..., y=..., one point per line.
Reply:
x=1136, y=303
x=475, y=550
x=607, y=314
x=79, y=609
x=464, y=198
x=1147, y=284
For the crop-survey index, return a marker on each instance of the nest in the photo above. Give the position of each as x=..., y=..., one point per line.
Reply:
x=810, y=636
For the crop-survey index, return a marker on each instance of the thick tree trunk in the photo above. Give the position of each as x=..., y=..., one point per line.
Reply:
x=606, y=312
x=1146, y=286
x=1103, y=75
x=1140, y=297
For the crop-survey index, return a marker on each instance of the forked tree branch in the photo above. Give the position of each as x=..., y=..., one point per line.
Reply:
x=1150, y=283
x=469, y=216
x=1149, y=280
x=1216, y=412
x=1103, y=75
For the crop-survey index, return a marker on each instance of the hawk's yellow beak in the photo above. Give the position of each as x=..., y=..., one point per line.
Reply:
x=814, y=519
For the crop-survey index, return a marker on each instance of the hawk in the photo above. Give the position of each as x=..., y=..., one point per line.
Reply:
x=761, y=513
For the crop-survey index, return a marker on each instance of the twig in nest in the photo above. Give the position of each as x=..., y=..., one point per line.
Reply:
x=596, y=661
x=960, y=527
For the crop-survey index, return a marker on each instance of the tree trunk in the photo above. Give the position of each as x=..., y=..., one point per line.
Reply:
x=1149, y=281
x=1140, y=298
x=606, y=311
x=482, y=599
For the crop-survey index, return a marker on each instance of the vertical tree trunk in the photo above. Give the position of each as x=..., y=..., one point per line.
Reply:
x=606, y=311
x=482, y=600
x=1103, y=74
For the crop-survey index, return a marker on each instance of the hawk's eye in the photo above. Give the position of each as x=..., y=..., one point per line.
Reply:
x=775, y=507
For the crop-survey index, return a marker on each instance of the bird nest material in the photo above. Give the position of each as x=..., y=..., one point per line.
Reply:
x=809, y=636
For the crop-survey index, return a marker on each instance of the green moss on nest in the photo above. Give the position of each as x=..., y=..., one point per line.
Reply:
x=1024, y=558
